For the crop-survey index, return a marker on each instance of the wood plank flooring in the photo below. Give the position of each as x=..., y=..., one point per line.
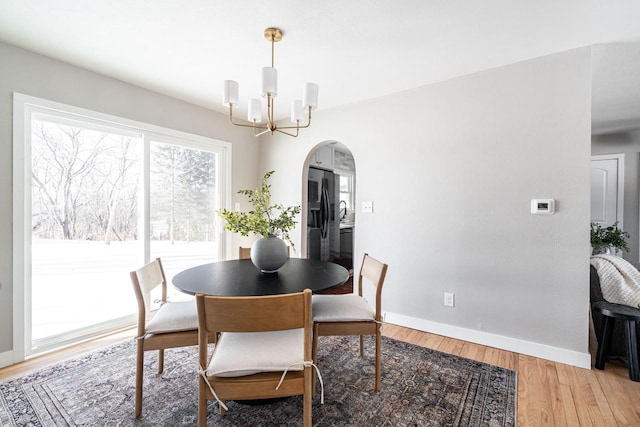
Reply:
x=549, y=393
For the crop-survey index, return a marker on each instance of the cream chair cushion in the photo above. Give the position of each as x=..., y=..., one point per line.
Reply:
x=246, y=353
x=174, y=317
x=341, y=308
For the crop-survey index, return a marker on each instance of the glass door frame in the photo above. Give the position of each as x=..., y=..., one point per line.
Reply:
x=24, y=107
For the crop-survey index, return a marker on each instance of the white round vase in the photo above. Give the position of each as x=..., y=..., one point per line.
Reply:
x=269, y=254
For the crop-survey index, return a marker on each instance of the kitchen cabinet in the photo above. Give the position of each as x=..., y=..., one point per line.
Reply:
x=324, y=158
x=346, y=242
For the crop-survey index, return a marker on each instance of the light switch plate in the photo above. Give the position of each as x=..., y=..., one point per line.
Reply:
x=367, y=207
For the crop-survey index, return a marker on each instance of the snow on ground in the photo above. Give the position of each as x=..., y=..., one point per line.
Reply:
x=77, y=283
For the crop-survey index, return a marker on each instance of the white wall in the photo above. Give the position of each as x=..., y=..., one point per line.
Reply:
x=451, y=169
x=36, y=75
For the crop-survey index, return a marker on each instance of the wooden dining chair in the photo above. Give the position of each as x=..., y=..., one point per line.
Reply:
x=350, y=314
x=259, y=339
x=245, y=253
x=174, y=324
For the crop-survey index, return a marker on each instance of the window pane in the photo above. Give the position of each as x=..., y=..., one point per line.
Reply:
x=184, y=188
x=84, y=226
x=345, y=183
x=346, y=194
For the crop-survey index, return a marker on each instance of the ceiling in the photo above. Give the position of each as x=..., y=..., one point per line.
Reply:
x=355, y=50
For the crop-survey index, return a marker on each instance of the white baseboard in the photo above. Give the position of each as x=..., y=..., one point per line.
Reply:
x=574, y=358
x=6, y=358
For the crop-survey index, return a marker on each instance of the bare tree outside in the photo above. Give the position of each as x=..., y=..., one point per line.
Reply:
x=80, y=179
x=183, y=186
x=119, y=188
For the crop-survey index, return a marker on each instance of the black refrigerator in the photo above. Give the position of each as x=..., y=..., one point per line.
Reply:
x=323, y=225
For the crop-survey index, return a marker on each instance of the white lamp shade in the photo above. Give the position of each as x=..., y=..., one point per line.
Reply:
x=255, y=110
x=230, y=93
x=269, y=82
x=310, y=96
x=297, y=112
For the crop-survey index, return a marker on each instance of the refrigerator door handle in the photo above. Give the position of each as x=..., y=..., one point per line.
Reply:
x=325, y=213
x=321, y=225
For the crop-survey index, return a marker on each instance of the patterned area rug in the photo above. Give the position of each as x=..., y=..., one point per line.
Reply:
x=420, y=387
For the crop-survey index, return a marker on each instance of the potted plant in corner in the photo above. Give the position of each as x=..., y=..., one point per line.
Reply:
x=605, y=238
x=268, y=253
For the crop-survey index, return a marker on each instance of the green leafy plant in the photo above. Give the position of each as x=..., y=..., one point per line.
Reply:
x=264, y=218
x=608, y=236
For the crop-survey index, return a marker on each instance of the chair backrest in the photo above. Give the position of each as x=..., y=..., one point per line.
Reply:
x=144, y=280
x=254, y=313
x=375, y=272
x=218, y=314
x=245, y=253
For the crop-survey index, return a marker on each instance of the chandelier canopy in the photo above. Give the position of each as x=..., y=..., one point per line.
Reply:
x=270, y=90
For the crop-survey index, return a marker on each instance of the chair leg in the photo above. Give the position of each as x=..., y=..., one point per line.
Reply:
x=378, y=361
x=306, y=403
x=139, y=376
x=630, y=328
x=361, y=346
x=314, y=344
x=202, y=403
x=160, y=360
x=314, y=356
x=604, y=341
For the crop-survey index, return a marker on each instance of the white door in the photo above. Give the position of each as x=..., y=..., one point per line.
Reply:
x=607, y=186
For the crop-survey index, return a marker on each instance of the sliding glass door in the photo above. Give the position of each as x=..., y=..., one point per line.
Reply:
x=105, y=199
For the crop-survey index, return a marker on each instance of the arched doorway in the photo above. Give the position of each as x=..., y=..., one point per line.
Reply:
x=328, y=212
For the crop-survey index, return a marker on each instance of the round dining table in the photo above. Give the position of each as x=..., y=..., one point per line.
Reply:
x=239, y=277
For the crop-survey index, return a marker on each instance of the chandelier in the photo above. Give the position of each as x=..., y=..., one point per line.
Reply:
x=299, y=109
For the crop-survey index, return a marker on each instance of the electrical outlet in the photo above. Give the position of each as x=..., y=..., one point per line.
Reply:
x=367, y=207
x=449, y=299
x=237, y=207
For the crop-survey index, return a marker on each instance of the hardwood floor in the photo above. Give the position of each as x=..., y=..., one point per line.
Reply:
x=549, y=393
x=52, y=358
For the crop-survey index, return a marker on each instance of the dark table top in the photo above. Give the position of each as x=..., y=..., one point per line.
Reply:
x=241, y=278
